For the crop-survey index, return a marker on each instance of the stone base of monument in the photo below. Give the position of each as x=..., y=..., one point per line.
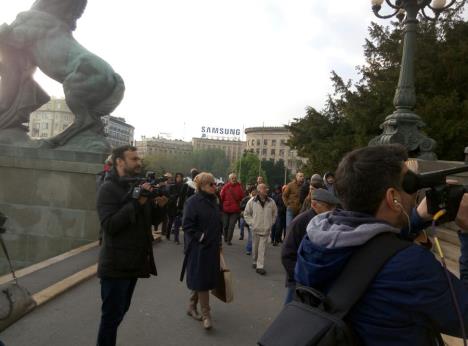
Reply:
x=49, y=197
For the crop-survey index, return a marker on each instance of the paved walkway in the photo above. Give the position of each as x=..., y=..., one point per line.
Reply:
x=157, y=315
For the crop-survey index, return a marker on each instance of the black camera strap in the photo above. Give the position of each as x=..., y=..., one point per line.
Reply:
x=2, y=242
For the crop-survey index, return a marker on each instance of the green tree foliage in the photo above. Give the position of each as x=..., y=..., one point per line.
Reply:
x=275, y=172
x=210, y=160
x=247, y=169
x=354, y=111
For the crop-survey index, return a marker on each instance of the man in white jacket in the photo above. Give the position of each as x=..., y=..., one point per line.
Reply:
x=260, y=215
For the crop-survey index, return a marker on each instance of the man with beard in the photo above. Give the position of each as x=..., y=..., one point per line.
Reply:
x=126, y=252
x=408, y=302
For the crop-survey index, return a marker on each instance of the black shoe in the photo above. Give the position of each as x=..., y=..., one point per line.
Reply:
x=241, y=238
x=261, y=271
x=177, y=242
x=275, y=243
x=254, y=266
x=229, y=243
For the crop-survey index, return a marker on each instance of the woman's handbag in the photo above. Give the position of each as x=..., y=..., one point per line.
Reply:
x=223, y=290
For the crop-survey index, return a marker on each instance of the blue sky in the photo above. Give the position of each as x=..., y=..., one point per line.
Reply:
x=220, y=63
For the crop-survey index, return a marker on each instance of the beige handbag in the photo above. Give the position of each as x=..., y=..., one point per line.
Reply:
x=223, y=290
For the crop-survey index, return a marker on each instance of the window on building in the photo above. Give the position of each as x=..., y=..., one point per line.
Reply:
x=264, y=152
x=253, y=142
x=273, y=152
x=265, y=142
x=281, y=152
x=283, y=142
x=273, y=142
x=257, y=151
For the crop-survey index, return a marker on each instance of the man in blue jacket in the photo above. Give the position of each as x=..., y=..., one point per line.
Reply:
x=409, y=301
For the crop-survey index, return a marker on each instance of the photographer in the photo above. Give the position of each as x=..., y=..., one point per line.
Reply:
x=126, y=252
x=408, y=301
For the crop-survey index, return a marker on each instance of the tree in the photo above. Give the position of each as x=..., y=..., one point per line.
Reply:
x=247, y=168
x=275, y=172
x=354, y=111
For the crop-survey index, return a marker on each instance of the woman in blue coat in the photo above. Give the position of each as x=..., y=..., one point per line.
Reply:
x=202, y=226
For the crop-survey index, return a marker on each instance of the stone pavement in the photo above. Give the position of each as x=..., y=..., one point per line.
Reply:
x=157, y=315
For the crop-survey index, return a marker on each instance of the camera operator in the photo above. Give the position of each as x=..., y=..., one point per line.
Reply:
x=408, y=301
x=126, y=252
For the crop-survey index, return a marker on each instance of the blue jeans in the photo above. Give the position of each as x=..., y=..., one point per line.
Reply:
x=290, y=215
x=289, y=294
x=176, y=226
x=116, y=295
x=248, y=247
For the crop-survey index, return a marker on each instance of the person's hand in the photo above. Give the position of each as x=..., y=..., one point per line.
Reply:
x=161, y=201
x=422, y=210
x=142, y=199
x=462, y=217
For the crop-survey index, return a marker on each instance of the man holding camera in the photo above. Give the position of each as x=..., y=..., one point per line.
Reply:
x=409, y=301
x=126, y=251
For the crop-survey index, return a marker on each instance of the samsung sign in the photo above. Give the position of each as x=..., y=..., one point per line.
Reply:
x=219, y=131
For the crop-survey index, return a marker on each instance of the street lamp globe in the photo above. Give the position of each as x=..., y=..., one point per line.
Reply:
x=377, y=2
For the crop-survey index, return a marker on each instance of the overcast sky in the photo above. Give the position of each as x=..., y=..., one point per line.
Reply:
x=221, y=63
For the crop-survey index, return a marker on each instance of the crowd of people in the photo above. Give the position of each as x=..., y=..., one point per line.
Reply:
x=318, y=220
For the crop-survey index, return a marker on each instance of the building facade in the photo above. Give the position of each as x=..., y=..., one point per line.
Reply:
x=157, y=145
x=55, y=116
x=232, y=148
x=118, y=132
x=269, y=143
x=51, y=119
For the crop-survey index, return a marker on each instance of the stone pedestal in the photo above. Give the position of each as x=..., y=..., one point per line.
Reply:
x=49, y=197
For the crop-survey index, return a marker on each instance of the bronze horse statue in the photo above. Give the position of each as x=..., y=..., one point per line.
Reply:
x=43, y=37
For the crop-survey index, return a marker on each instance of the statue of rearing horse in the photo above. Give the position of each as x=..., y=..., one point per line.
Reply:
x=42, y=37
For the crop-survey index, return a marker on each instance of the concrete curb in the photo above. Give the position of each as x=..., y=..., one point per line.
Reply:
x=64, y=285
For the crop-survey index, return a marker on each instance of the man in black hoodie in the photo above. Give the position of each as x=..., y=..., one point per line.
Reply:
x=126, y=252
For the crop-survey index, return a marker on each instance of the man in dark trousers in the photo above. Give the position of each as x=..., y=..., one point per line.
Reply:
x=321, y=201
x=126, y=252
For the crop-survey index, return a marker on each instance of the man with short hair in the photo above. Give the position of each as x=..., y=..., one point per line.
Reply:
x=126, y=252
x=291, y=197
x=408, y=301
x=260, y=215
x=322, y=201
x=231, y=197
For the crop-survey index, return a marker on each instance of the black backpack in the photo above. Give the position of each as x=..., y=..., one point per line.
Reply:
x=315, y=319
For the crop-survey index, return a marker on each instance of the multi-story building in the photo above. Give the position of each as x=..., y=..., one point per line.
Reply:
x=51, y=119
x=232, y=148
x=55, y=116
x=270, y=143
x=159, y=145
x=117, y=130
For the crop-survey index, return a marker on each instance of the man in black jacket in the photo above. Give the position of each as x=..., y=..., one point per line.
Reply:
x=126, y=252
x=321, y=201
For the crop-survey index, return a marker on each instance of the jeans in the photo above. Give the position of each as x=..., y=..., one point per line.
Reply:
x=176, y=227
x=289, y=294
x=290, y=215
x=243, y=224
x=116, y=295
x=229, y=223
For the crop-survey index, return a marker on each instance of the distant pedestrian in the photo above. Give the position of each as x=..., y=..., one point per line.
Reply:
x=174, y=212
x=322, y=201
x=203, y=228
x=101, y=176
x=329, y=182
x=260, y=180
x=291, y=197
x=243, y=224
x=260, y=215
x=280, y=223
x=316, y=182
x=188, y=190
x=231, y=196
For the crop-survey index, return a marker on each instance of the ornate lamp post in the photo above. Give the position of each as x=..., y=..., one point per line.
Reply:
x=404, y=126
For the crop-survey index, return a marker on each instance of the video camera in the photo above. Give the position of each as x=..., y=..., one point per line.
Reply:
x=439, y=195
x=137, y=191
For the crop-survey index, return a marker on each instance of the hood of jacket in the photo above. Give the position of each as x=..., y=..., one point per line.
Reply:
x=330, y=240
